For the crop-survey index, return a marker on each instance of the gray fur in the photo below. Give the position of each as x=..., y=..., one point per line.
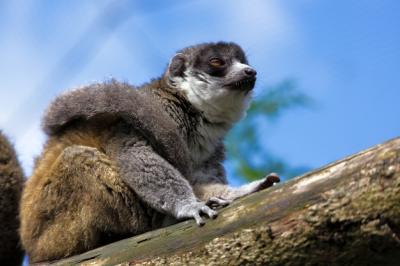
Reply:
x=190, y=140
x=114, y=100
x=153, y=179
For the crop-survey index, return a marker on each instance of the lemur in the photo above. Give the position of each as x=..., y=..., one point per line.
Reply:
x=121, y=160
x=11, y=182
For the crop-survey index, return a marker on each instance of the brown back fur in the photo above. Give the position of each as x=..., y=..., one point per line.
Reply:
x=74, y=202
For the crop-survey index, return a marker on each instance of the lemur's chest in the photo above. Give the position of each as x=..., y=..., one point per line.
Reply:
x=204, y=140
x=202, y=137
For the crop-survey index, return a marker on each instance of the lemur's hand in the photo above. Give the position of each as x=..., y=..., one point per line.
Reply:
x=193, y=210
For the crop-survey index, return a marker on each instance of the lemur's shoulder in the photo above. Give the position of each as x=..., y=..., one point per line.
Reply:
x=118, y=101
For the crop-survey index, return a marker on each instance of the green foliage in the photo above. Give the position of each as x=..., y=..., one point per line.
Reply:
x=246, y=151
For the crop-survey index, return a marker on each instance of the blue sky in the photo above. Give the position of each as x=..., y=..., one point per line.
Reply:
x=343, y=54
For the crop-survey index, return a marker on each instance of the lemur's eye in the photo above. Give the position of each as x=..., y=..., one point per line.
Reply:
x=217, y=62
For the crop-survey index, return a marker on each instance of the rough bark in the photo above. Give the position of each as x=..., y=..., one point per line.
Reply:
x=346, y=213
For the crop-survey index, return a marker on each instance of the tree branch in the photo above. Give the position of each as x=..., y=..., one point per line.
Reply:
x=346, y=213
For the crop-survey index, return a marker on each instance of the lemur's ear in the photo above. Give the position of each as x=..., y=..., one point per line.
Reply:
x=177, y=65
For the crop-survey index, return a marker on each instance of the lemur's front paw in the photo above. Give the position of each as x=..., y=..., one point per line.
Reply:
x=267, y=181
x=194, y=209
x=215, y=202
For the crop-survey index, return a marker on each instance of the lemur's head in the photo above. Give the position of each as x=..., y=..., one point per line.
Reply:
x=215, y=77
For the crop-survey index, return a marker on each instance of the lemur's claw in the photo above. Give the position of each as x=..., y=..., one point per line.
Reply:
x=215, y=202
x=194, y=210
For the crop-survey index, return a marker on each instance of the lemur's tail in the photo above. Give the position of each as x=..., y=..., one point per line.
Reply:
x=11, y=183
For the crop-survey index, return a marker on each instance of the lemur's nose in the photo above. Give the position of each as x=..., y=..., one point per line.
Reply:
x=250, y=72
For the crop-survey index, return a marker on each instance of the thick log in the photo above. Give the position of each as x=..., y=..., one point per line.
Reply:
x=346, y=213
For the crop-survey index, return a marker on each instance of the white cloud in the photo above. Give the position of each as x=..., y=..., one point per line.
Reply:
x=27, y=59
x=263, y=25
x=29, y=144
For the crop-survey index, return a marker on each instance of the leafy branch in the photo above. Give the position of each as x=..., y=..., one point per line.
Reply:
x=245, y=148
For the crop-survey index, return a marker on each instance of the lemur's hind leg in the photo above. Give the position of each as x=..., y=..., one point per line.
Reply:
x=81, y=204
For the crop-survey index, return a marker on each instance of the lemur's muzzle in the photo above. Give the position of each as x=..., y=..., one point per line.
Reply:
x=250, y=72
x=245, y=80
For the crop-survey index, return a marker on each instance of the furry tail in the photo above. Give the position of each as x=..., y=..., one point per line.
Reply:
x=120, y=101
x=11, y=183
x=111, y=99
